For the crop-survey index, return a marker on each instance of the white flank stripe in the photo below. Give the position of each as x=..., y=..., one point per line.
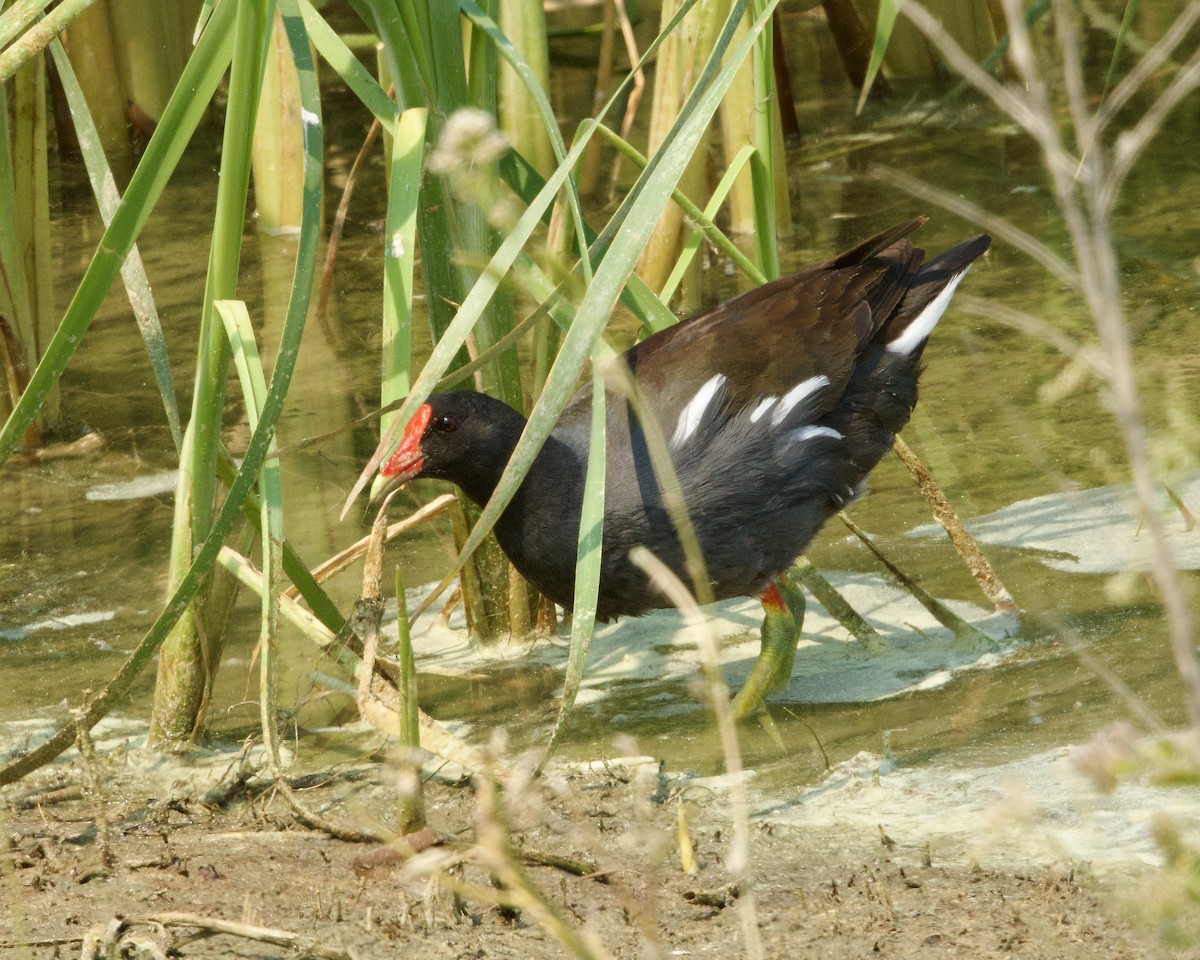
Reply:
x=763, y=407
x=799, y=392
x=808, y=433
x=692, y=414
x=916, y=332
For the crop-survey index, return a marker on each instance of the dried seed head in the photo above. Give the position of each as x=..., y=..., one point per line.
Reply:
x=469, y=139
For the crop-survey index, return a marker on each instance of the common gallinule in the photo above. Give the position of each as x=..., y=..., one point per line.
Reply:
x=775, y=406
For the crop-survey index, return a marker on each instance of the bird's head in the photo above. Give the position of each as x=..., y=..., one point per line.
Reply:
x=463, y=436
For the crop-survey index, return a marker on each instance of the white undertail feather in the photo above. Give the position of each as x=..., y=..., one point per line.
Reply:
x=917, y=331
x=799, y=392
x=692, y=414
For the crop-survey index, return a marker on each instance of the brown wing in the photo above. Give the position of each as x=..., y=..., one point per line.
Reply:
x=775, y=336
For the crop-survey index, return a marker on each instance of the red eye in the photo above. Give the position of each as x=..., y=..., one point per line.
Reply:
x=445, y=424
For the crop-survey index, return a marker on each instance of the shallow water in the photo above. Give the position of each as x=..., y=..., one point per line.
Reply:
x=81, y=578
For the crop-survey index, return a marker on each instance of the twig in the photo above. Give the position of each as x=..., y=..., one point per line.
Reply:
x=314, y=821
x=963, y=542
x=280, y=938
x=578, y=868
x=6, y=945
x=837, y=607
x=963, y=630
x=1147, y=66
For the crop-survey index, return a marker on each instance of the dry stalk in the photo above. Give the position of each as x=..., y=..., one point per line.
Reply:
x=314, y=821
x=590, y=171
x=379, y=701
x=339, y=219
x=996, y=225
x=495, y=849
x=91, y=774
x=401, y=722
x=344, y=558
x=963, y=542
x=738, y=860
x=1085, y=183
x=382, y=706
x=635, y=94
x=1088, y=354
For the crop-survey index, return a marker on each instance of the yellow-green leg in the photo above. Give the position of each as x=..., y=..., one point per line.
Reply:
x=783, y=616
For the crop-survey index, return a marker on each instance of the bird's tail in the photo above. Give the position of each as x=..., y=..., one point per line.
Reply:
x=927, y=297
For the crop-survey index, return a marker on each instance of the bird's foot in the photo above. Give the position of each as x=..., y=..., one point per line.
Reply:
x=783, y=616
